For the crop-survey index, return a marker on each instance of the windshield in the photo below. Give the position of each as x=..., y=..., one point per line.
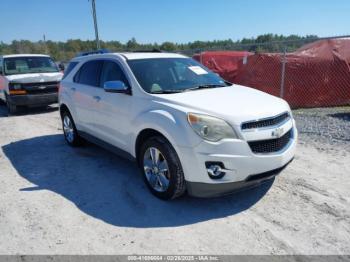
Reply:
x=171, y=75
x=27, y=65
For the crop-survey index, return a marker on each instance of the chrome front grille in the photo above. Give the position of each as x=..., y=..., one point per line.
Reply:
x=40, y=88
x=272, y=121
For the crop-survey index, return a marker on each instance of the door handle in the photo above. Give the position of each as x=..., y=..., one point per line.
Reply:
x=73, y=89
x=97, y=98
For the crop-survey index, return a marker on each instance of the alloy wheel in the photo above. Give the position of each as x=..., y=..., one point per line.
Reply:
x=156, y=169
x=68, y=129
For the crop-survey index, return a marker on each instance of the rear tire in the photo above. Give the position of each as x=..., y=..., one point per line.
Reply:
x=161, y=168
x=70, y=131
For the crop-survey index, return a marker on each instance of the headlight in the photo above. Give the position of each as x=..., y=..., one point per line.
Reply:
x=16, y=86
x=210, y=128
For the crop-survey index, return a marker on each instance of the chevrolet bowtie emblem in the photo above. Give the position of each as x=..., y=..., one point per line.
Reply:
x=277, y=132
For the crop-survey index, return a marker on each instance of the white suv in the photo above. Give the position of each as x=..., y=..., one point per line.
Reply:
x=187, y=128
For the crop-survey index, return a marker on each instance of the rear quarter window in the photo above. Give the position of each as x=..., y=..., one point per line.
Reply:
x=69, y=68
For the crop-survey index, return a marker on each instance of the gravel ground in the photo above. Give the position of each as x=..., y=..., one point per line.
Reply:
x=60, y=200
x=325, y=128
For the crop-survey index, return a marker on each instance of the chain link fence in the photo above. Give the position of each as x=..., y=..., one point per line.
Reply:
x=308, y=73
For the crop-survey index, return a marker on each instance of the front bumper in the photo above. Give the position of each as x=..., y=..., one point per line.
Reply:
x=33, y=100
x=198, y=189
x=243, y=168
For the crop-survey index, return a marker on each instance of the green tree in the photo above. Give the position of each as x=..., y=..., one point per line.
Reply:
x=64, y=51
x=168, y=46
x=132, y=44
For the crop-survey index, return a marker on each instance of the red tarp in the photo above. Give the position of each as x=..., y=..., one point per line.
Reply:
x=224, y=63
x=316, y=75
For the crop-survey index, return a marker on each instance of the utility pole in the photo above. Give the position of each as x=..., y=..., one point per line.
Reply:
x=45, y=47
x=283, y=76
x=95, y=24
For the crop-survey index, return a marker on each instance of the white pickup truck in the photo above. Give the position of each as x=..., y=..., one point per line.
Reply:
x=186, y=127
x=28, y=80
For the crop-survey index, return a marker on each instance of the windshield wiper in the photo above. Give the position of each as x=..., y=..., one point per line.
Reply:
x=168, y=91
x=204, y=87
x=44, y=71
x=173, y=91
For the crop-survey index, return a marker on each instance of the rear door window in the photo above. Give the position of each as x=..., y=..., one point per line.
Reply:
x=89, y=73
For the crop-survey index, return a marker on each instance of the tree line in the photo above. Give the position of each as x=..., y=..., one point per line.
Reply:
x=64, y=51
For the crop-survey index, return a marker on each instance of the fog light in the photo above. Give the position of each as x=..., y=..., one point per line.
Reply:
x=215, y=169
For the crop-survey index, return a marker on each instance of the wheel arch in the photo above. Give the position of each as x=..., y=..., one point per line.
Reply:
x=64, y=108
x=170, y=125
x=143, y=136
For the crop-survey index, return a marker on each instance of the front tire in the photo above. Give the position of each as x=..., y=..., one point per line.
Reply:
x=161, y=168
x=70, y=131
x=11, y=108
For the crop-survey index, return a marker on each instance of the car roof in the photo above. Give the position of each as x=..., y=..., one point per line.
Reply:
x=24, y=55
x=145, y=55
x=130, y=55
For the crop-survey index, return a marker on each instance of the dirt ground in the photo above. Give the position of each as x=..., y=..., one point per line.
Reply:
x=59, y=200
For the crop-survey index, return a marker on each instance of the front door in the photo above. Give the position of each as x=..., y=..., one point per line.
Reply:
x=113, y=110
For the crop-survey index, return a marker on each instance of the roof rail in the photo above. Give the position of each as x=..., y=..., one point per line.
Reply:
x=154, y=50
x=94, y=52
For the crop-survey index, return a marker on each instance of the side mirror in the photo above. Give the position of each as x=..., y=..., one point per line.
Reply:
x=61, y=67
x=116, y=87
x=0, y=70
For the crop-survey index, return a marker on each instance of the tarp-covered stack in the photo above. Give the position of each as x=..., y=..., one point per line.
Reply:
x=316, y=75
x=224, y=63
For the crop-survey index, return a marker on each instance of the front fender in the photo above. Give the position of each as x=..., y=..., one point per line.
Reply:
x=173, y=126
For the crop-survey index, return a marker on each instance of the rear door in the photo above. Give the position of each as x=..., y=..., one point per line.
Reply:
x=85, y=93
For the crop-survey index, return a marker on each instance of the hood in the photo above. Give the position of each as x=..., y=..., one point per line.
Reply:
x=235, y=104
x=35, y=78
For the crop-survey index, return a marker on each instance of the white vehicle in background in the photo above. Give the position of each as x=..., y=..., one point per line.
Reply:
x=28, y=80
x=187, y=128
